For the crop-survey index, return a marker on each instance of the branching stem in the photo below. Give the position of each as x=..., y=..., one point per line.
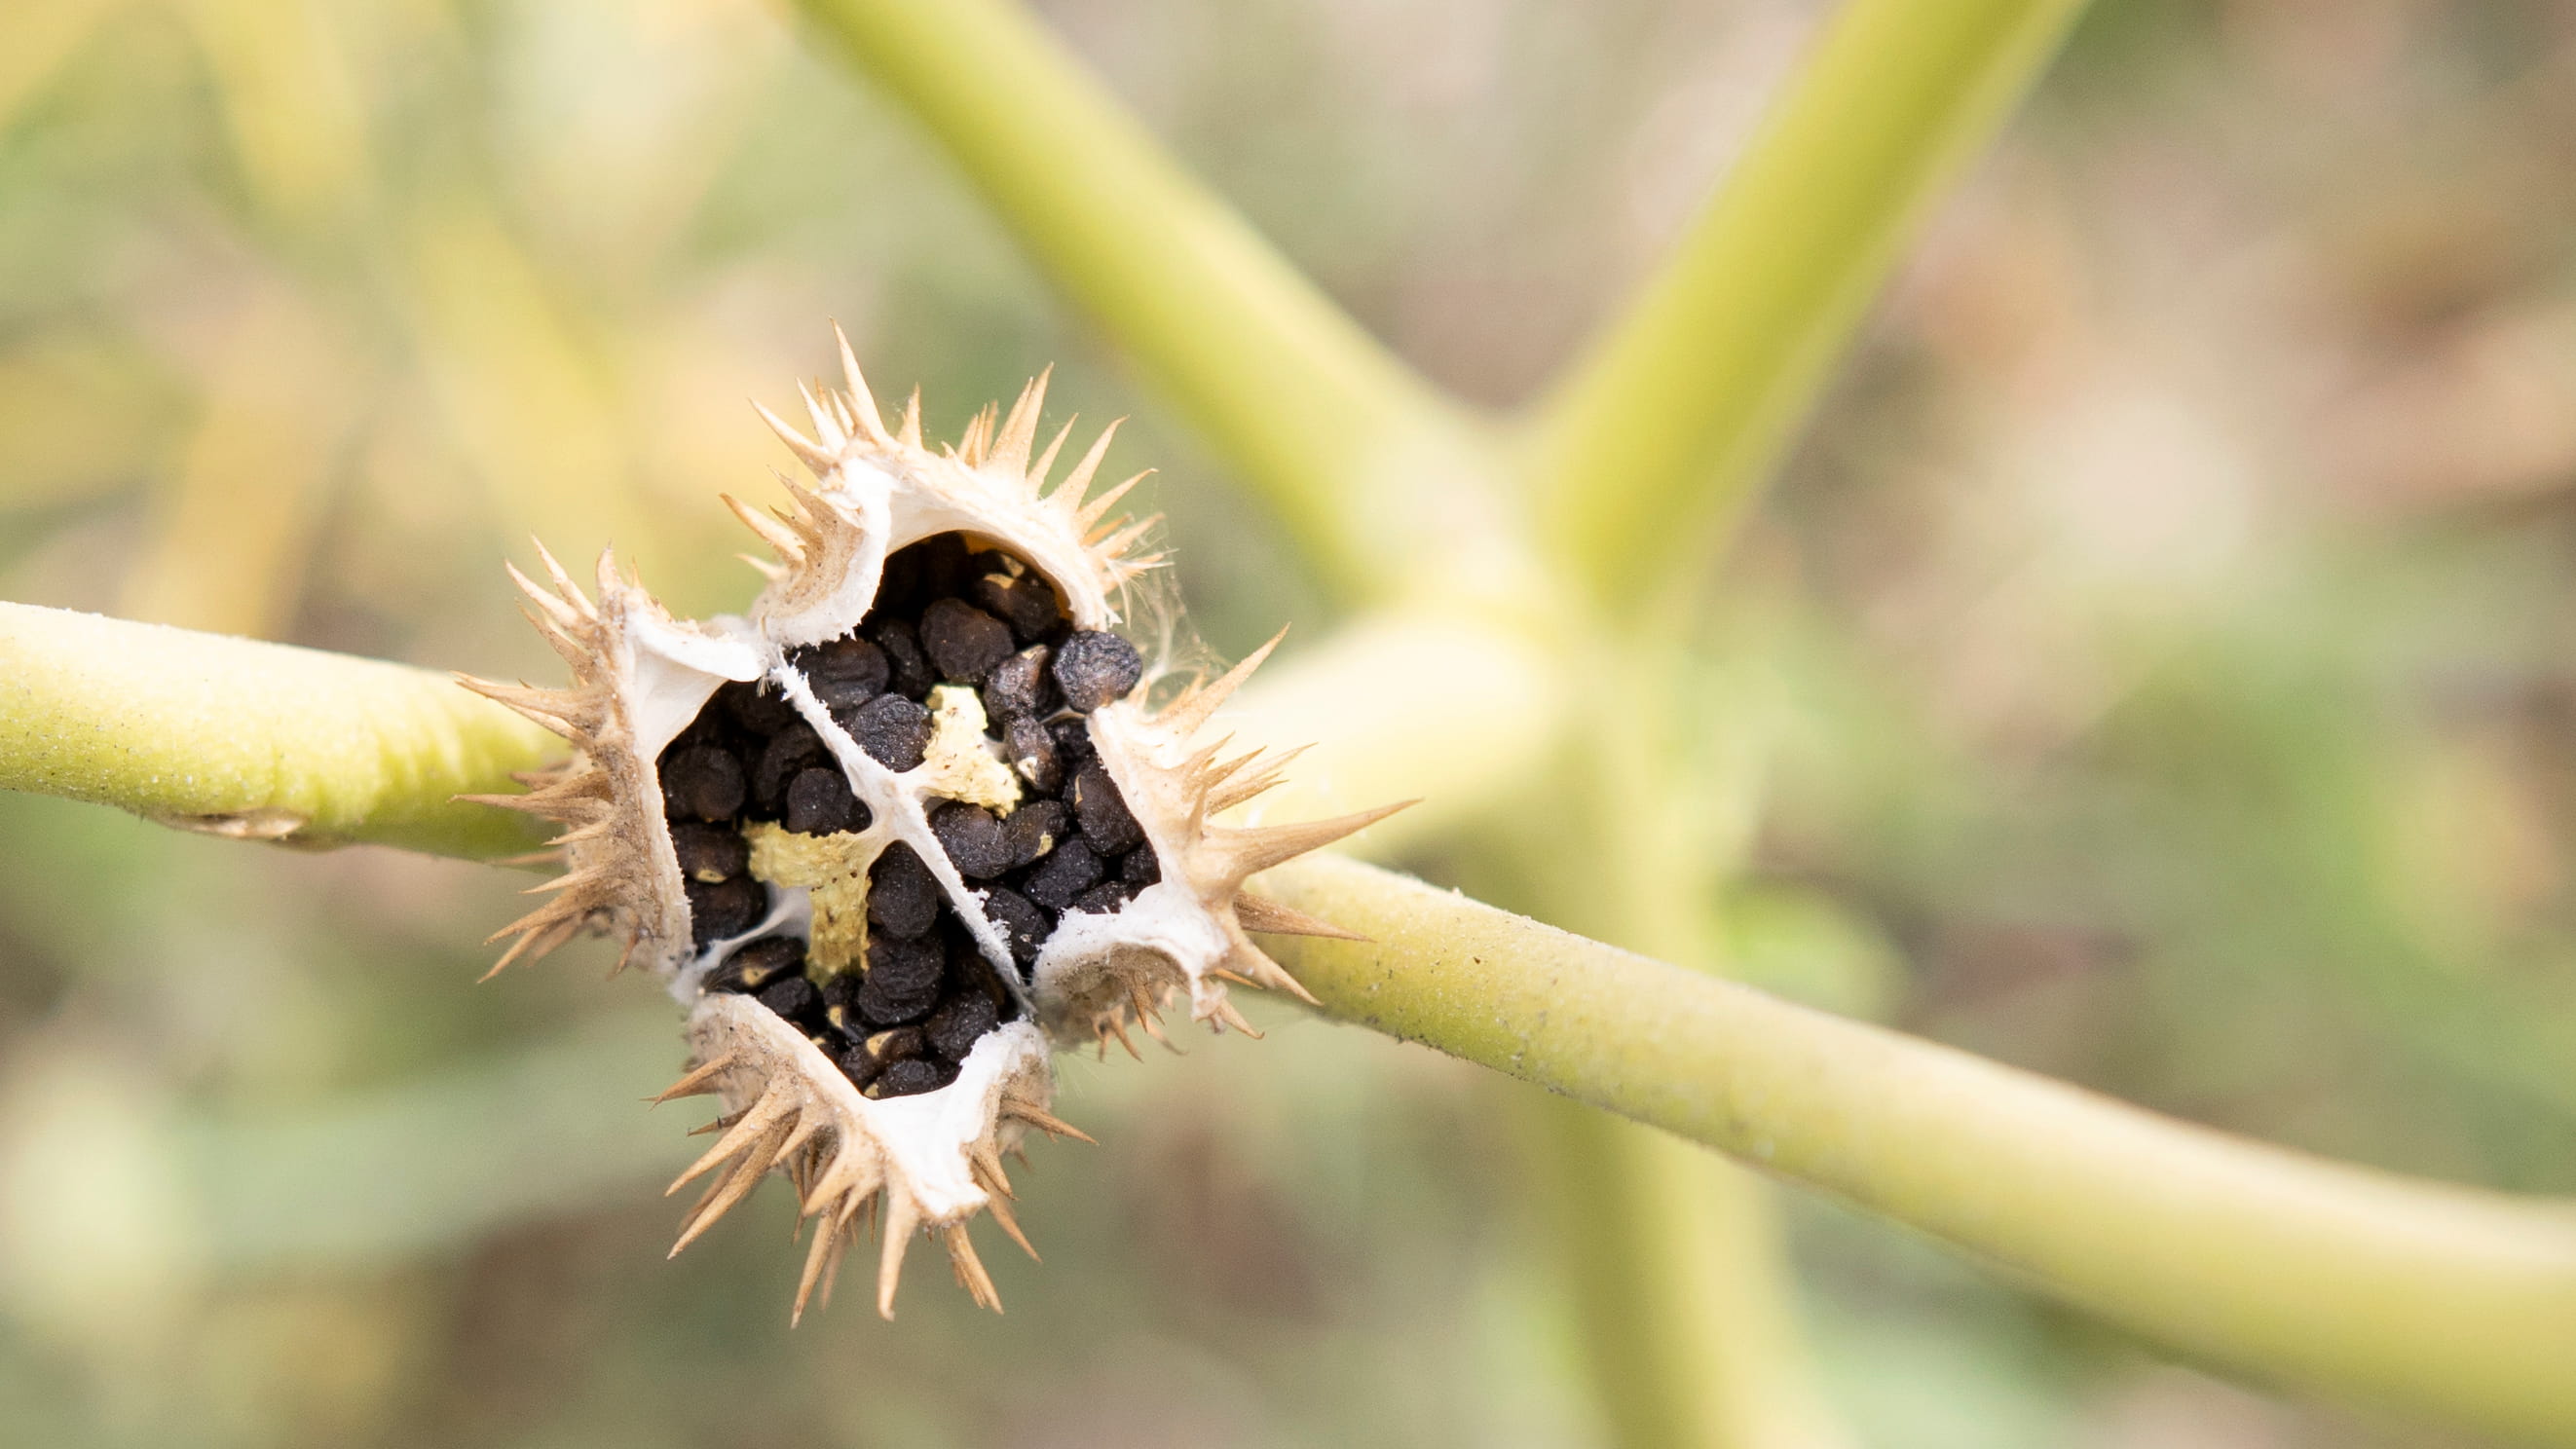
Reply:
x=2445, y=1300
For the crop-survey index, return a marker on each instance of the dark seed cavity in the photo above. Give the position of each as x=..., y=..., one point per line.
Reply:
x=1095, y=668
x=757, y=707
x=1027, y=603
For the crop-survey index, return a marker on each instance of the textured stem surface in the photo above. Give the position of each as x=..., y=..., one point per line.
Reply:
x=1314, y=411
x=2445, y=1300
x=1660, y=430
x=255, y=740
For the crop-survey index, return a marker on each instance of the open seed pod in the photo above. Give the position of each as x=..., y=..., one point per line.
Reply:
x=904, y=829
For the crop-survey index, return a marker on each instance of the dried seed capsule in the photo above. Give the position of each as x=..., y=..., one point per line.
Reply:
x=794, y=998
x=844, y=673
x=894, y=731
x=702, y=782
x=1105, y=898
x=789, y=753
x=959, y=1023
x=911, y=1077
x=756, y=706
x=1102, y=811
x=1140, y=868
x=755, y=964
x=964, y=641
x=903, y=897
x=1026, y=603
x=1071, y=870
x=972, y=839
x=907, y=668
x=1020, y=687
x=819, y=802
x=726, y=908
x=1095, y=668
x=710, y=853
x=1034, y=829
x=1031, y=750
x=1024, y=925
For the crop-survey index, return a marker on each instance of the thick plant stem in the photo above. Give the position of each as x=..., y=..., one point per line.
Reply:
x=1316, y=413
x=2448, y=1301
x=1658, y=434
x=253, y=740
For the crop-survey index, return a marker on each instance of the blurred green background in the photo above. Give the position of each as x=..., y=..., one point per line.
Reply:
x=2158, y=659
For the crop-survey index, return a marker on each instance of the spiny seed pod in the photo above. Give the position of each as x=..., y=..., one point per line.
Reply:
x=904, y=829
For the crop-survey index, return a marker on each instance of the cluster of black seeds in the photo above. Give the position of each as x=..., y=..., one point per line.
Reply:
x=944, y=614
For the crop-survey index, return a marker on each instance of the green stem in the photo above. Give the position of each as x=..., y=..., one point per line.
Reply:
x=2445, y=1300
x=260, y=741
x=1316, y=413
x=1655, y=439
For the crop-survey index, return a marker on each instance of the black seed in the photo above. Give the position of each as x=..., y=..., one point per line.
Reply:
x=893, y=730
x=790, y=752
x=902, y=982
x=1024, y=925
x=1020, y=688
x=844, y=674
x=841, y=1005
x=908, y=669
x=911, y=1077
x=903, y=897
x=726, y=908
x=1031, y=751
x=1103, y=811
x=1026, y=603
x=856, y=1064
x=964, y=641
x=710, y=853
x=754, y=964
x=1034, y=829
x=1072, y=743
x=899, y=1043
x=1106, y=897
x=702, y=781
x=757, y=707
x=819, y=802
x=1140, y=868
x=1093, y=669
x=972, y=838
x=1073, y=869
x=794, y=998
x=958, y=1023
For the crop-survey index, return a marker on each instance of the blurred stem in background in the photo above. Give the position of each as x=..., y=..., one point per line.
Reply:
x=1659, y=437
